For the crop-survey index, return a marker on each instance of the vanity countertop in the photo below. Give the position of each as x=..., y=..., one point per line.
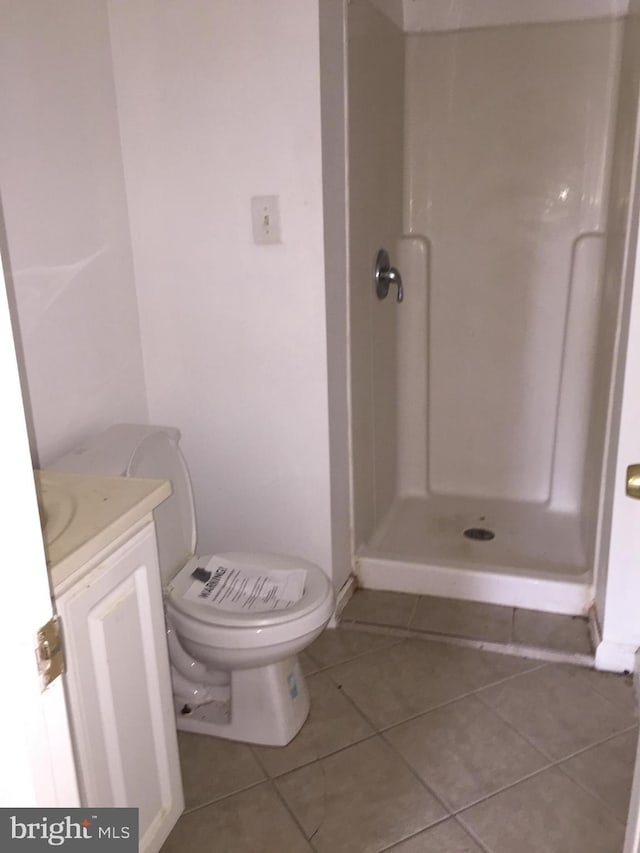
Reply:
x=83, y=514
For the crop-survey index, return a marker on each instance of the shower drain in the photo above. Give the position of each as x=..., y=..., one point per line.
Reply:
x=480, y=534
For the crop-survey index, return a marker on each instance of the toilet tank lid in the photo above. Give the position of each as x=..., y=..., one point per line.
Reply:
x=109, y=453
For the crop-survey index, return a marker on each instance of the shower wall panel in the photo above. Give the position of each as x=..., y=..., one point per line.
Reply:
x=508, y=137
x=432, y=15
x=376, y=99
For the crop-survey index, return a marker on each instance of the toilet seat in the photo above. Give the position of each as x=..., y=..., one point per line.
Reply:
x=316, y=589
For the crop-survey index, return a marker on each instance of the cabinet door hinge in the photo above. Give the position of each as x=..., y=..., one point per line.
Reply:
x=49, y=652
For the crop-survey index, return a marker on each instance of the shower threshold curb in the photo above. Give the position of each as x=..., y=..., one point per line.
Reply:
x=563, y=594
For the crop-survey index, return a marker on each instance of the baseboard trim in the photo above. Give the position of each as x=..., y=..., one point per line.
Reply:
x=616, y=657
x=594, y=627
x=342, y=599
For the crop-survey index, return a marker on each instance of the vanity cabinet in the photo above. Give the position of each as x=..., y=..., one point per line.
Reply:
x=118, y=684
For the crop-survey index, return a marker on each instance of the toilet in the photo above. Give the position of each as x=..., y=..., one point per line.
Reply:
x=235, y=620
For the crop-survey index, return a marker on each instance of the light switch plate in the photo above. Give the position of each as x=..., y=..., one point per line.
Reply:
x=265, y=219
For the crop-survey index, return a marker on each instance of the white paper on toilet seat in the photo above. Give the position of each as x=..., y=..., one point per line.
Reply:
x=243, y=590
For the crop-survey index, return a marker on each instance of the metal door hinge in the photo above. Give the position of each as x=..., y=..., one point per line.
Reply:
x=49, y=652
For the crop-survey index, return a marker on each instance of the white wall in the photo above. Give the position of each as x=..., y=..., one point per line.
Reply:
x=66, y=247
x=219, y=102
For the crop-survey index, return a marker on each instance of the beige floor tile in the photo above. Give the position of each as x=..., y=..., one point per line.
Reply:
x=307, y=664
x=615, y=687
x=557, y=709
x=380, y=608
x=471, y=619
x=607, y=771
x=552, y=631
x=333, y=723
x=545, y=814
x=213, y=768
x=400, y=682
x=446, y=837
x=336, y=645
x=253, y=821
x=465, y=752
x=414, y=676
x=360, y=800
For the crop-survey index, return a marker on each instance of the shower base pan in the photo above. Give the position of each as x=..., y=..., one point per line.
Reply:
x=516, y=554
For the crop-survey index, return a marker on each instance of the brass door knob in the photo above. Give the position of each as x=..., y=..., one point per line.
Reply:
x=633, y=481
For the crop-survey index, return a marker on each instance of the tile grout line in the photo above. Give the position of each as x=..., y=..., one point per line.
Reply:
x=448, y=812
x=354, y=705
x=417, y=833
x=457, y=812
x=424, y=783
x=293, y=816
x=472, y=692
x=587, y=749
x=552, y=763
x=480, y=844
x=254, y=753
x=539, y=748
x=601, y=742
x=318, y=758
x=270, y=780
x=325, y=667
x=417, y=598
x=414, y=610
x=504, y=788
x=192, y=809
x=514, y=728
x=473, y=834
x=357, y=742
x=591, y=793
x=453, y=812
x=602, y=695
x=382, y=729
x=614, y=705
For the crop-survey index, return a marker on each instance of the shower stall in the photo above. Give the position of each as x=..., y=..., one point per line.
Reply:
x=491, y=161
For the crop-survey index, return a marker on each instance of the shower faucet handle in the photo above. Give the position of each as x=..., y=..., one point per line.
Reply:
x=386, y=275
x=633, y=481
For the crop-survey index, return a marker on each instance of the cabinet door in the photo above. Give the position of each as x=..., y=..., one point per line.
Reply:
x=119, y=688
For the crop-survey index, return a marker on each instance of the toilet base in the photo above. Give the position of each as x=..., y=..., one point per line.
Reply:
x=267, y=706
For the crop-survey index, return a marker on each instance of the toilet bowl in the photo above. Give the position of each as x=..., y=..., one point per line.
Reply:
x=232, y=648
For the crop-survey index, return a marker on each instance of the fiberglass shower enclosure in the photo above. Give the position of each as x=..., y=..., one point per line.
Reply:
x=481, y=159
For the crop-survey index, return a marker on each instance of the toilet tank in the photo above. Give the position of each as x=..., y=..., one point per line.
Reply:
x=136, y=450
